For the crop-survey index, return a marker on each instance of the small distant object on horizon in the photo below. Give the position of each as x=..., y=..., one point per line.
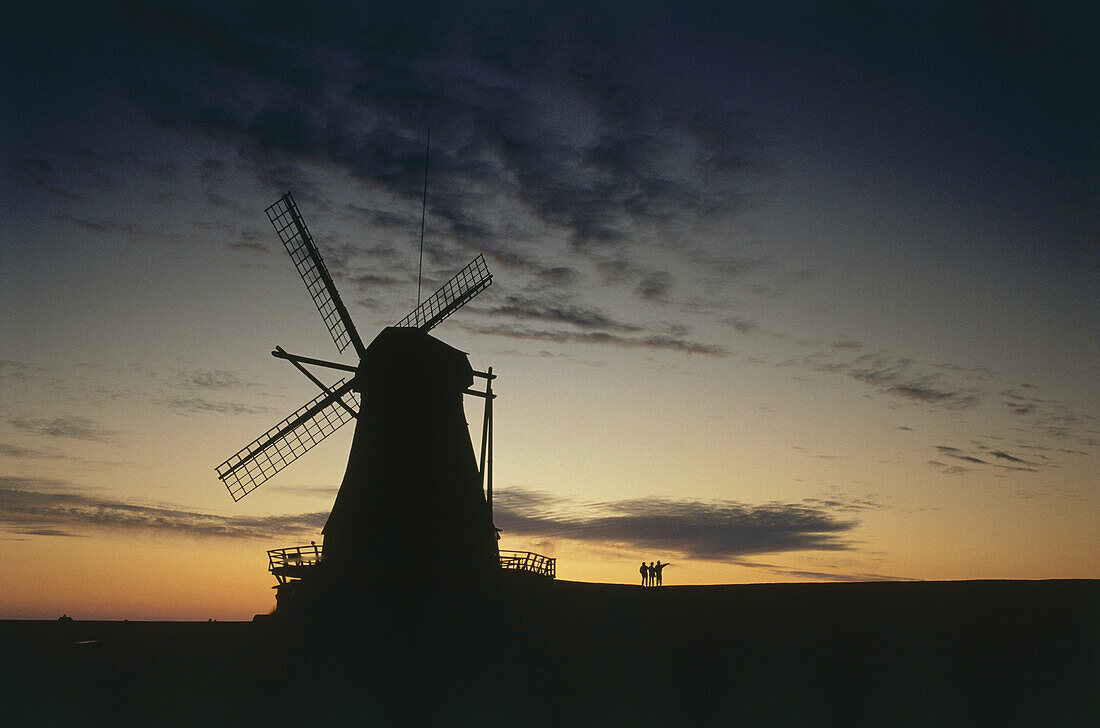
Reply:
x=64, y=618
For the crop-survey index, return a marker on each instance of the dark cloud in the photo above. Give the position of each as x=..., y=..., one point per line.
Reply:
x=368, y=281
x=733, y=265
x=322, y=492
x=922, y=393
x=130, y=232
x=16, y=451
x=381, y=218
x=560, y=276
x=638, y=167
x=973, y=457
x=14, y=370
x=526, y=308
x=897, y=377
x=72, y=427
x=34, y=172
x=616, y=271
x=949, y=469
x=719, y=530
x=847, y=343
x=32, y=507
x=655, y=287
x=1050, y=418
x=201, y=405
x=48, y=532
x=743, y=325
x=212, y=380
x=218, y=200
x=819, y=575
x=247, y=246
x=781, y=283
x=656, y=341
x=214, y=172
x=954, y=452
x=1010, y=458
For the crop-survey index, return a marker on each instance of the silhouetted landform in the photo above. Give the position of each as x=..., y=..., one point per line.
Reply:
x=541, y=652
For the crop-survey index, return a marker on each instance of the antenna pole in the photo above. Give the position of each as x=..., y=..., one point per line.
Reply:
x=423, y=210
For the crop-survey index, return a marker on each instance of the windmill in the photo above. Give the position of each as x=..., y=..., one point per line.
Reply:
x=410, y=507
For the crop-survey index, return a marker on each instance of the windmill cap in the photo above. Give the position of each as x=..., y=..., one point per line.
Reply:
x=405, y=357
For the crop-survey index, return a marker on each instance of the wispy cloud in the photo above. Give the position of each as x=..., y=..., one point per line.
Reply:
x=322, y=492
x=14, y=370
x=655, y=286
x=201, y=405
x=654, y=341
x=35, y=172
x=742, y=325
x=983, y=455
x=16, y=451
x=715, y=530
x=896, y=377
x=820, y=575
x=846, y=343
x=51, y=508
x=72, y=427
x=508, y=177
x=921, y=392
x=212, y=380
x=202, y=391
x=525, y=308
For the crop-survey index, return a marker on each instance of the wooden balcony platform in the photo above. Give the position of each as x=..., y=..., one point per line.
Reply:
x=295, y=562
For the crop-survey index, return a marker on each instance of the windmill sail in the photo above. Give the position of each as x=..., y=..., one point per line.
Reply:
x=292, y=230
x=288, y=440
x=451, y=296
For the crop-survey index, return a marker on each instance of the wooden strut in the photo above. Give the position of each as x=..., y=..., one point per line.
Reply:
x=487, y=442
x=315, y=380
x=280, y=354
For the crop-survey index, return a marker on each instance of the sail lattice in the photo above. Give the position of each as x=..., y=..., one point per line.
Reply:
x=294, y=234
x=287, y=441
x=451, y=296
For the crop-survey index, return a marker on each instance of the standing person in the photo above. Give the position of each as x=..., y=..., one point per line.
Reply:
x=652, y=573
x=657, y=571
x=644, y=571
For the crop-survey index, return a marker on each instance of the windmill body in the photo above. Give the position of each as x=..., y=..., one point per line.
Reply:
x=410, y=510
x=411, y=506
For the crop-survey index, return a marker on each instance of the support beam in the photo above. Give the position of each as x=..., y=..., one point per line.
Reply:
x=309, y=375
x=487, y=444
x=280, y=354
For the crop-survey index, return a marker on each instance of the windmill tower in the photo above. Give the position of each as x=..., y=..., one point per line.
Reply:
x=410, y=509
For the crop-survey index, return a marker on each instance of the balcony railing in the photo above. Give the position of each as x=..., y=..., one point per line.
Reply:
x=528, y=561
x=293, y=562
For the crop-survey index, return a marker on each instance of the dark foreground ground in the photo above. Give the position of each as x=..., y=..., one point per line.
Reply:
x=569, y=654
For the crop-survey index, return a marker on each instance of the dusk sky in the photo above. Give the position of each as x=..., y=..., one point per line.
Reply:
x=783, y=291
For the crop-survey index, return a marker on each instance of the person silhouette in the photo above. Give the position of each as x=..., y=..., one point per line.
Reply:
x=657, y=571
x=652, y=571
x=644, y=571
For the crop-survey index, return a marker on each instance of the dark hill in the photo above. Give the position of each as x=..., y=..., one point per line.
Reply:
x=561, y=653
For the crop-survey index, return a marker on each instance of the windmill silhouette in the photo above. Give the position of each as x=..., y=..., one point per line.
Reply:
x=410, y=509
